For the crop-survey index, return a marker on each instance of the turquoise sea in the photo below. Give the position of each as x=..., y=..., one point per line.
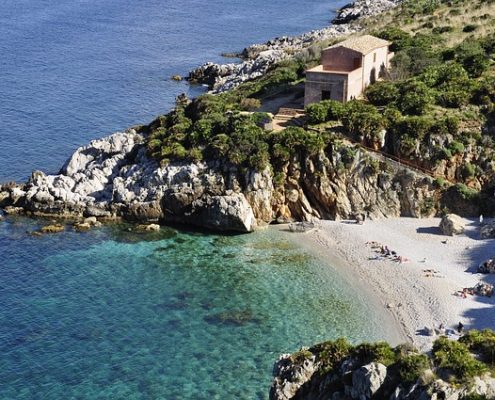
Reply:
x=111, y=314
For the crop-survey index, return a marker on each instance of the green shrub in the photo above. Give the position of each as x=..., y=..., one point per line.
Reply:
x=335, y=109
x=455, y=356
x=330, y=354
x=362, y=121
x=470, y=28
x=415, y=97
x=468, y=170
x=250, y=104
x=456, y=148
x=382, y=93
x=316, y=113
x=481, y=342
x=380, y=352
x=466, y=193
x=411, y=367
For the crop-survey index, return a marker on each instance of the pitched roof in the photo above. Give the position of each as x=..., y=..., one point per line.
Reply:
x=362, y=44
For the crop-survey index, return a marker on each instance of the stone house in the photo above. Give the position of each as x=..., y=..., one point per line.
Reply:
x=346, y=69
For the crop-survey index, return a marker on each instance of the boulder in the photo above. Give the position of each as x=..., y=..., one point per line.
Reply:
x=487, y=267
x=452, y=224
x=148, y=228
x=225, y=213
x=483, y=289
x=54, y=228
x=367, y=380
x=487, y=231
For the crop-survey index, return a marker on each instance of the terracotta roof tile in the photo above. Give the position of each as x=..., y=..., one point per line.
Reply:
x=362, y=44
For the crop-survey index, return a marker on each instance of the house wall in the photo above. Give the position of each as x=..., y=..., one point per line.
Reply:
x=355, y=84
x=316, y=82
x=371, y=68
x=340, y=59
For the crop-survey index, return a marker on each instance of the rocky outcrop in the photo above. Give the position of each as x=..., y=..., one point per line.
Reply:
x=259, y=58
x=305, y=376
x=487, y=231
x=362, y=9
x=367, y=380
x=114, y=178
x=487, y=267
x=451, y=225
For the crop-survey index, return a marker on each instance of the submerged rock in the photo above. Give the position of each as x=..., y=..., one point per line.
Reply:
x=54, y=228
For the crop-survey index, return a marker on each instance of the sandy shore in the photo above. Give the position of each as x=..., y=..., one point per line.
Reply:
x=416, y=297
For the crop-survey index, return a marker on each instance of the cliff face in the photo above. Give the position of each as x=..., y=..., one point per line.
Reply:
x=302, y=376
x=114, y=177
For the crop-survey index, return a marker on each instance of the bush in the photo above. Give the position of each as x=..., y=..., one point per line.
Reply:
x=470, y=28
x=414, y=98
x=316, y=113
x=456, y=148
x=455, y=356
x=362, y=121
x=380, y=352
x=411, y=367
x=468, y=170
x=466, y=193
x=250, y=104
x=335, y=109
x=382, y=93
x=331, y=353
x=481, y=342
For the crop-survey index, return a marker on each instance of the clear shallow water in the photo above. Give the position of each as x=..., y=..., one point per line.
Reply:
x=175, y=315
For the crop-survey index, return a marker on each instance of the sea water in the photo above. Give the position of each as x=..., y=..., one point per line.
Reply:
x=111, y=314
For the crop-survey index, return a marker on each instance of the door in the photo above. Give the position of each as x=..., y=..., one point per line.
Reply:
x=326, y=94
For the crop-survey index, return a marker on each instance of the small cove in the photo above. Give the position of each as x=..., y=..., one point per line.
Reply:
x=113, y=314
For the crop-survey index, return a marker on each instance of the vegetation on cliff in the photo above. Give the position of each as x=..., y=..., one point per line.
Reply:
x=435, y=109
x=328, y=368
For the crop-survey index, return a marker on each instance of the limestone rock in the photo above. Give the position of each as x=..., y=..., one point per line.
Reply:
x=483, y=289
x=452, y=224
x=291, y=376
x=54, y=228
x=488, y=230
x=487, y=267
x=148, y=228
x=367, y=380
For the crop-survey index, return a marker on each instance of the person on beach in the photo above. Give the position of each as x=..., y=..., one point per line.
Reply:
x=460, y=327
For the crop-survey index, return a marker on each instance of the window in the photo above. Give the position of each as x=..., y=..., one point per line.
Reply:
x=326, y=94
x=374, y=57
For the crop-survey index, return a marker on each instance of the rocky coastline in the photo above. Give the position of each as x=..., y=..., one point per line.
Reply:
x=259, y=58
x=115, y=178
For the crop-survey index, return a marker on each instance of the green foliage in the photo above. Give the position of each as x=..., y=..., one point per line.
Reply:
x=456, y=148
x=362, y=121
x=250, y=104
x=415, y=97
x=470, y=28
x=466, y=193
x=380, y=352
x=411, y=367
x=482, y=343
x=326, y=110
x=455, y=356
x=300, y=356
x=330, y=354
x=468, y=170
x=382, y=93
x=316, y=113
